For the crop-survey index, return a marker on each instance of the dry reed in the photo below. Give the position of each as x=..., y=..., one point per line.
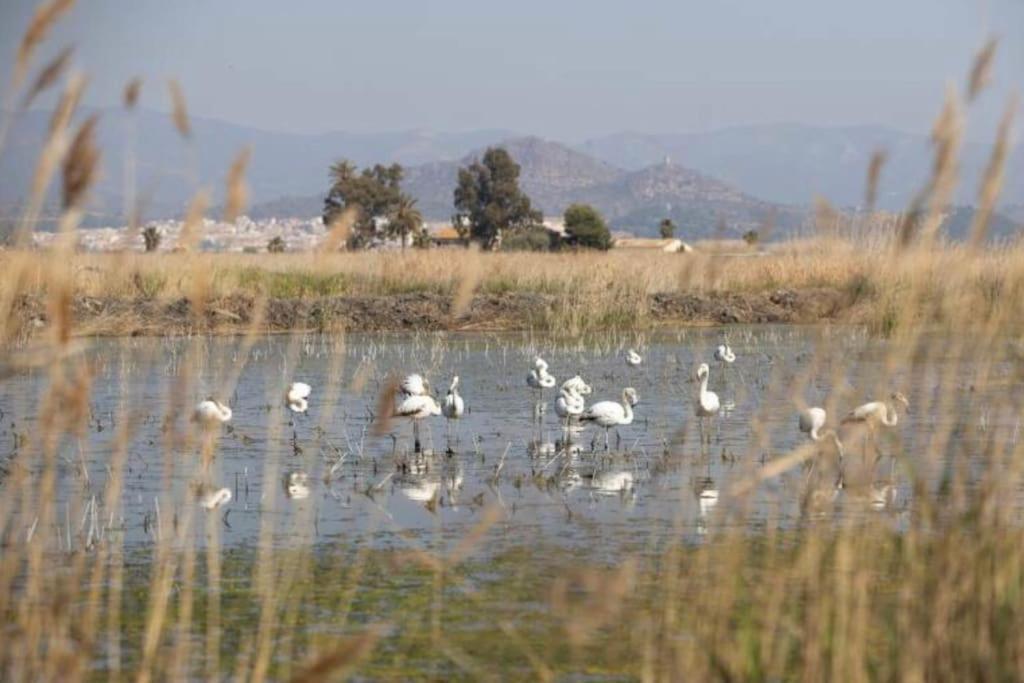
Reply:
x=931, y=592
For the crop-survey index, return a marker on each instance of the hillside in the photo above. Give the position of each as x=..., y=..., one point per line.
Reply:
x=793, y=163
x=552, y=175
x=555, y=176
x=169, y=170
x=742, y=176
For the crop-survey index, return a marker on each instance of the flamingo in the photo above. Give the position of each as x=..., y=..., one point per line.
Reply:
x=539, y=378
x=707, y=405
x=633, y=359
x=875, y=413
x=724, y=354
x=417, y=408
x=295, y=397
x=811, y=422
x=570, y=402
x=211, y=498
x=296, y=485
x=211, y=412
x=414, y=385
x=577, y=384
x=610, y=414
x=879, y=411
x=453, y=406
x=569, y=405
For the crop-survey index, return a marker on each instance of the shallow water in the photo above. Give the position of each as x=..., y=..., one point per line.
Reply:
x=504, y=475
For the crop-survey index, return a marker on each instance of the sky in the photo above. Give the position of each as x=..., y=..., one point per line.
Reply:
x=565, y=69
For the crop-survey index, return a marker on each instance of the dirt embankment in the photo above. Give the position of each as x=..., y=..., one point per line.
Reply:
x=421, y=311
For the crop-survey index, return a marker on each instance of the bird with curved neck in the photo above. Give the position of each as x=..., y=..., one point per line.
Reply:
x=453, y=408
x=539, y=378
x=879, y=412
x=211, y=412
x=610, y=414
x=569, y=405
x=633, y=359
x=414, y=385
x=577, y=384
x=211, y=498
x=724, y=354
x=296, y=397
x=875, y=413
x=707, y=404
x=417, y=408
x=812, y=423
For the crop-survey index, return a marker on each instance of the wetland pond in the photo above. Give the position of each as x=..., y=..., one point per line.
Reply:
x=326, y=477
x=472, y=553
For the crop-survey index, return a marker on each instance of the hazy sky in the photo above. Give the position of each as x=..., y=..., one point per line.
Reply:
x=566, y=69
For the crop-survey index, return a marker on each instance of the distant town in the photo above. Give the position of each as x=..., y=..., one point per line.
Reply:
x=246, y=235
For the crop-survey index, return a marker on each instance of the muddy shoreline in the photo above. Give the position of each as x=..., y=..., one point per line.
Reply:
x=424, y=311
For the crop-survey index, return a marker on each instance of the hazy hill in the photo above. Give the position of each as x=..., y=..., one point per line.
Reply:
x=793, y=163
x=555, y=176
x=169, y=170
x=552, y=174
x=740, y=176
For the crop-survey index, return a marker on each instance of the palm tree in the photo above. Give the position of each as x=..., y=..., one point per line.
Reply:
x=406, y=220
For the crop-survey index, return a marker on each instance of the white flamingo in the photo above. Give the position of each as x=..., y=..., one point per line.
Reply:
x=811, y=422
x=577, y=384
x=633, y=359
x=724, y=354
x=414, y=385
x=877, y=413
x=610, y=414
x=570, y=405
x=296, y=397
x=296, y=485
x=417, y=408
x=539, y=378
x=211, y=498
x=570, y=402
x=725, y=357
x=707, y=405
x=453, y=407
x=211, y=412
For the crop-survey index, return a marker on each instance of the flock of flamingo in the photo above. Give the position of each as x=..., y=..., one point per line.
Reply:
x=416, y=403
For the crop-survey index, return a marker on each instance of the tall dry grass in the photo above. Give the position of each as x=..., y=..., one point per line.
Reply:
x=935, y=597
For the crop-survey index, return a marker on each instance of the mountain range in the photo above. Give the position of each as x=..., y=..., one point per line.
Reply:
x=730, y=179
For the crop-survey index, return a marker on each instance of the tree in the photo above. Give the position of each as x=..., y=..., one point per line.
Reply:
x=751, y=237
x=667, y=229
x=376, y=191
x=407, y=220
x=276, y=245
x=151, y=236
x=586, y=227
x=488, y=201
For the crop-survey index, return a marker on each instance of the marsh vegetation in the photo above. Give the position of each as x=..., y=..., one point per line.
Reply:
x=139, y=540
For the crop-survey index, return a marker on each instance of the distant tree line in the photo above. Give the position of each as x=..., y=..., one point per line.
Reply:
x=490, y=209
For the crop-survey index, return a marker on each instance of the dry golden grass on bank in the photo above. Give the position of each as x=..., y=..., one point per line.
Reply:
x=884, y=288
